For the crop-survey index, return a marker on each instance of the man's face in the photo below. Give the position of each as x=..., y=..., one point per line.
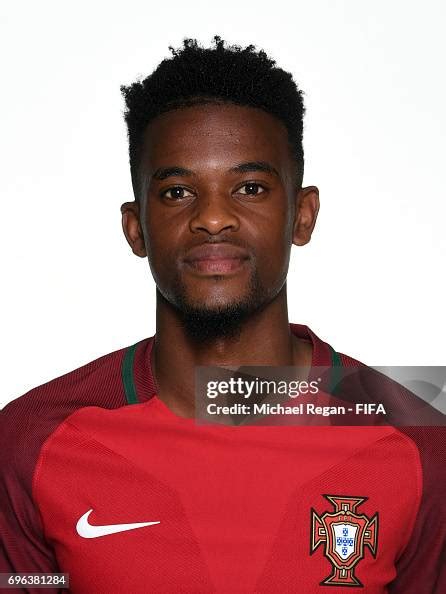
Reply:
x=220, y=208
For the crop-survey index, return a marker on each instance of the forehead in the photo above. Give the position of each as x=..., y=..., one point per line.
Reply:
x=215, y=135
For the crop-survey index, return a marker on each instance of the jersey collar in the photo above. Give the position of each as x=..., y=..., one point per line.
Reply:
x=137, y=369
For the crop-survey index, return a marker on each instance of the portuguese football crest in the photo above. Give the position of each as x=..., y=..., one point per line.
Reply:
x=344, y=534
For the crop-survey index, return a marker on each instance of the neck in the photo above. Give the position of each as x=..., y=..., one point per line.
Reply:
x=263, y=339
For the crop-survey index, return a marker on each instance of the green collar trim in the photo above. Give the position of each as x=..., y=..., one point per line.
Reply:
x=129, y=382
x=127, y=375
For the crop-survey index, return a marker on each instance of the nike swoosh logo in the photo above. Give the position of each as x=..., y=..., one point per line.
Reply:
x=87, y=530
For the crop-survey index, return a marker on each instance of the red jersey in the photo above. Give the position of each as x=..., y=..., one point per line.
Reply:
x=99, y=479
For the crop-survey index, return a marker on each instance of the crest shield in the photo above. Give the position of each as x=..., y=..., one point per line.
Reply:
x=344, y=534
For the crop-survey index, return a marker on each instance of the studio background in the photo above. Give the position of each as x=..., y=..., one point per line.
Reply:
x=371, y=282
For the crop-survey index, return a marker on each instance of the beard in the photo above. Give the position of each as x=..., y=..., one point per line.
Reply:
x=207, y=323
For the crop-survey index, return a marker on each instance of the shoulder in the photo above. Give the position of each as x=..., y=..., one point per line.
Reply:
x=420, y=568
x=27, y=421
x=26, y=424
x=348, y=361
x=417, y=423
x=83, y=386
x=413, y=418
x=430, y=443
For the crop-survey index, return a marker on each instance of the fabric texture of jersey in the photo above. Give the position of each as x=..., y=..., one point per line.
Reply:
x=133, y=498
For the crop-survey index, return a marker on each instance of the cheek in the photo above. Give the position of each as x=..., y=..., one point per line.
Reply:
x=160, y=245
x=275, y=255
x=274, y=243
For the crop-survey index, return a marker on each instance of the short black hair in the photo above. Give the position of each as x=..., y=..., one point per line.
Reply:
x=222, y=73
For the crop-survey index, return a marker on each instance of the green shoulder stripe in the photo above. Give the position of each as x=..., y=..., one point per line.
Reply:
x=127, y=375
x=336, y=371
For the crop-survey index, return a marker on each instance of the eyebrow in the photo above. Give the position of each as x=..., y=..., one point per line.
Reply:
x=250, y=166
x=165, y=172
x=247, y=167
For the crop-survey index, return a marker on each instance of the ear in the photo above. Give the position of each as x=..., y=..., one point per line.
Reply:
x=132, y=228
x=307, y=207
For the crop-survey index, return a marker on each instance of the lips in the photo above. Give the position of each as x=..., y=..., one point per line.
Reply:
x=215, y=251
x=216, y=258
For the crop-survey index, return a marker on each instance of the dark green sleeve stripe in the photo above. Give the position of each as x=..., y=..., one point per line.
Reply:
x=127, y=375
x=335, y=358
x=336, y=370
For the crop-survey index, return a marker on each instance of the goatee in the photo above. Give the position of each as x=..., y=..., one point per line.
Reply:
x=204, y=324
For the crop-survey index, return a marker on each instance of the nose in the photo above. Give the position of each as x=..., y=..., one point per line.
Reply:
x=214, y=213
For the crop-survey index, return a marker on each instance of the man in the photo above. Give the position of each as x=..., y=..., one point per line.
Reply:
x=140, y=498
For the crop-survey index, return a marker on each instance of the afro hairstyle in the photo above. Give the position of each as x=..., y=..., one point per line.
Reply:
x=197, y=75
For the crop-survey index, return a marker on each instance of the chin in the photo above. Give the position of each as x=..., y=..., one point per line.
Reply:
x=204, y=321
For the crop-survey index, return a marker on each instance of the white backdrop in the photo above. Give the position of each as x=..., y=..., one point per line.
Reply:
x=372, y=280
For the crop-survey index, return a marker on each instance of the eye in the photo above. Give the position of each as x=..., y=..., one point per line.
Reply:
x=251, y=189
x=176, y=193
